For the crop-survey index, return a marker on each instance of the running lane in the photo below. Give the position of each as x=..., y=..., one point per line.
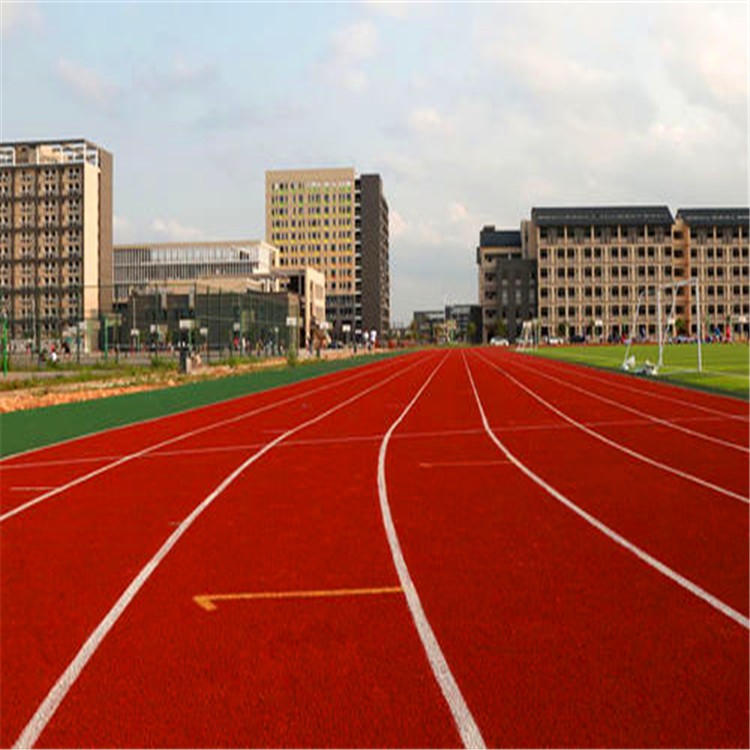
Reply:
x=341, y=670
x=67, y=560
x=555, y=635
x=722, y=464
x=45, y=468
x=696, y=531
x=722, y=417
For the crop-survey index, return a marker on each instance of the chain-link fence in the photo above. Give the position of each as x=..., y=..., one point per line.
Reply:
x=145, y=322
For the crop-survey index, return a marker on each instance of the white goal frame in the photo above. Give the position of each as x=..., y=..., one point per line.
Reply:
x=529, y=338
x=628, y=362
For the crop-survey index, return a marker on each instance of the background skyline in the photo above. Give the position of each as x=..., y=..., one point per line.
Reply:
x=472, y=114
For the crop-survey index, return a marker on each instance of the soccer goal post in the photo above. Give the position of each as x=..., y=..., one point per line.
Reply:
x=660, y=301
x=529, y=338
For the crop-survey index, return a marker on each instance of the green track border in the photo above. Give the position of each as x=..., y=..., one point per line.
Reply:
x=25, y=430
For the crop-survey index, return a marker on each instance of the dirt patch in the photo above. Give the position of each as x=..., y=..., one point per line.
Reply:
x=49, y=393
x=51, y=396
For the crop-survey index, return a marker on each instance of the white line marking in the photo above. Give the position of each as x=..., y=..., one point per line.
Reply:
x=170, y=441
x=239, y=447
x=57, y=462
x=30, y=489
x=645, y=415
x=470, y=734
x=618, y=446
x=67, y=679
x=614, y=381
x=606, y=530
x=441, y=464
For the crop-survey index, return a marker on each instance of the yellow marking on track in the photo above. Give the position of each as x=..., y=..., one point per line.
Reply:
x=206, y=601
x=462, y=463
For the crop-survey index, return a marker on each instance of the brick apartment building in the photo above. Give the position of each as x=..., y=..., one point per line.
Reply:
x=595, y=265
x=55, y=237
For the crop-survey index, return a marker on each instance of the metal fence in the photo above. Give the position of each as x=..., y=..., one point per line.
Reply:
x=158, y=320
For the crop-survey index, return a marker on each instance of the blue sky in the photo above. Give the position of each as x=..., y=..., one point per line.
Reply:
x=471, y=112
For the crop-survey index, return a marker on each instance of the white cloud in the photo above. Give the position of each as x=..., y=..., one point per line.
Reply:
x=357, y=41
x=457, y=212
x=396, y=224
x=121, y=227
x=179, y=75
x=390, y=8
x=349, y=48
x=706, y=52
x=428, y=120
x=87, y=84
x=171, y=229
x=17, y=14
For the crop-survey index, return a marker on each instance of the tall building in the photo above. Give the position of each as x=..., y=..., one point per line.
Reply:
x=507, y=282
x=596, y=267
x=55, y=237
x=594, y=262
x=337, y=222
x=714, y=243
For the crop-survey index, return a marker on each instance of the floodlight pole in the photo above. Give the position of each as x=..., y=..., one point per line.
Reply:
x=658, y=325
x=700, y=330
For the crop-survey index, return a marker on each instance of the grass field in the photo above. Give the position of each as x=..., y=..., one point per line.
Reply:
x=33, y=428
x=725, y=366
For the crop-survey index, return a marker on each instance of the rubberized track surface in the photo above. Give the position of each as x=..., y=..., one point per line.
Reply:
x=441, y=549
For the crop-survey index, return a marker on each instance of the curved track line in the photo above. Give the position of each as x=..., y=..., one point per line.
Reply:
x=67, y=679
x=665, y=570
x=618, y=446
x=614, y=381
x=470, y=734
x=170, y=441
x=645, y=415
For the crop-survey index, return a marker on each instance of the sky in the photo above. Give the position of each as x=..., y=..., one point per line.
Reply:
x=472, y=113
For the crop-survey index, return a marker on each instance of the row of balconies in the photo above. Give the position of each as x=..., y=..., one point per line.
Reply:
x=557, y=314
x=607, y=274
x=613, y=294
x=47, y=194
x=569, y=234
x=28, y=255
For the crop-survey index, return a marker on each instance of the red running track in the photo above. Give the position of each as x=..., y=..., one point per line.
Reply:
x=555, y=634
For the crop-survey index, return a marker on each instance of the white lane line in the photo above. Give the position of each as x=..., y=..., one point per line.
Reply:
x=192, y=433
x=686, y=583
x=470, y=734
x=67, y=679
x=239, y=447
x=57, y=462
x=614, y=381
x=618, y=446
x=643, y=415
x=30, y=489
x=452, y=464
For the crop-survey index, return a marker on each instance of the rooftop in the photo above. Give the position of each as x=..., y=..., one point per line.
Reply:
x=714, y=217
x=491, y=237
x=603, y=216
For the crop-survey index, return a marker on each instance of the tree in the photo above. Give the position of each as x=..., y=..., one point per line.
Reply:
x=471, y=332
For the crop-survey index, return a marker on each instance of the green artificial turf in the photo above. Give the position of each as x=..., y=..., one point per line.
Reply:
x=33, y=428
x=725, y=366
